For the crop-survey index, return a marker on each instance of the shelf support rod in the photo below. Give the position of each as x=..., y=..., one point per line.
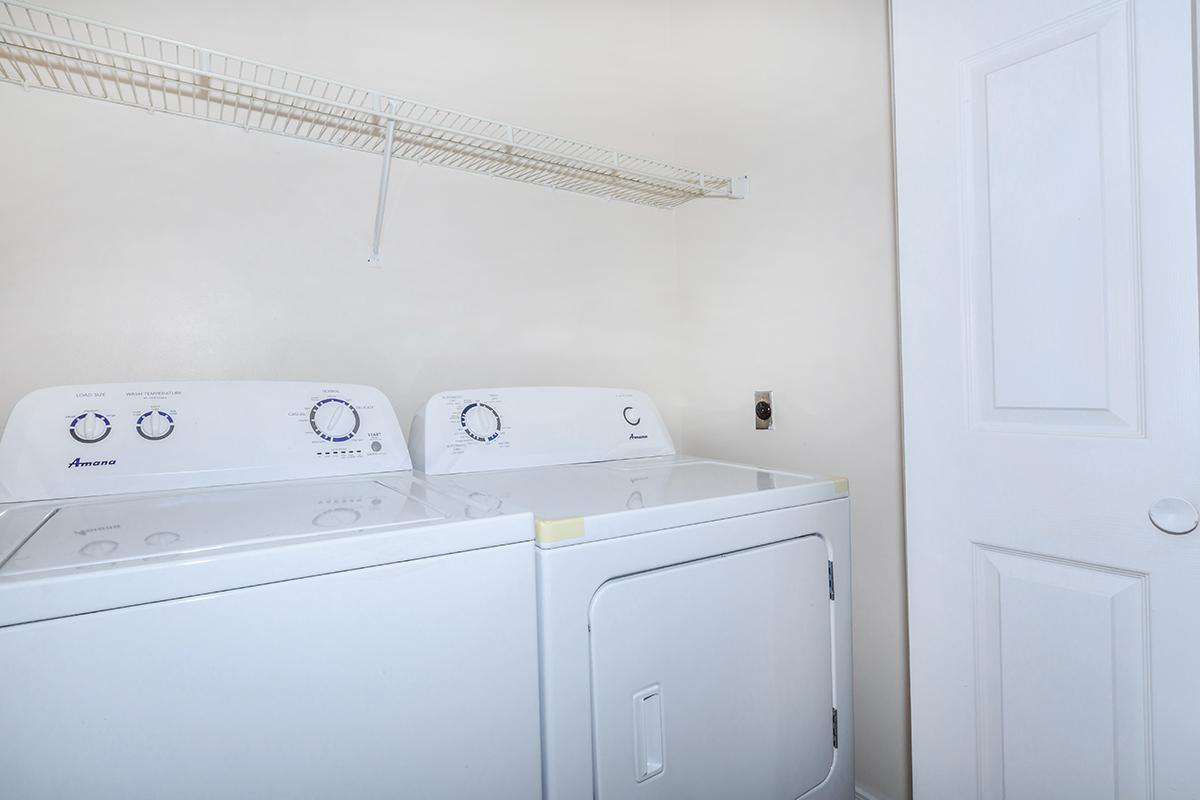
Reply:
x=389, y=109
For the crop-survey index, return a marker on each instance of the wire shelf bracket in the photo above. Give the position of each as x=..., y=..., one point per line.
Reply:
x=48, y=49
x=385, y=175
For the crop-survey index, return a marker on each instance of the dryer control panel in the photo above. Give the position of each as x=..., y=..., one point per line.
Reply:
x=76, y=441
x=476, y=430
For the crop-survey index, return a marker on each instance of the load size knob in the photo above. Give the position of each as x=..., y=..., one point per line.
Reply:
x=334, y=419
x=90, y=427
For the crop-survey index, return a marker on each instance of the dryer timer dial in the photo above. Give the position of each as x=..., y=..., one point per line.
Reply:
x=480, y=421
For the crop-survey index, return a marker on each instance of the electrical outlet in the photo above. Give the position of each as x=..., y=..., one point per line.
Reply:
x=764, y=418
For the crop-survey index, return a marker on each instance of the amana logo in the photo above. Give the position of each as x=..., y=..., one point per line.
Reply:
x=631, y=436
x=78, y=463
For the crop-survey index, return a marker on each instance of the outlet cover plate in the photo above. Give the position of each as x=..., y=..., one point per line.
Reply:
x=764, y=396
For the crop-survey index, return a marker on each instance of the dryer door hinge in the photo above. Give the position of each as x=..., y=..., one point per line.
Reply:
x=835, y=729
x=830, y=580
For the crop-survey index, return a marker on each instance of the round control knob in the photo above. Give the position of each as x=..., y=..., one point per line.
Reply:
x=480, y=421
x=155, y=425
x=632, y=415
x=90, y=427
x=334, y=420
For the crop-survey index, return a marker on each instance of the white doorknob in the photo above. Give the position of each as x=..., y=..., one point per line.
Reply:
x=1174, y=515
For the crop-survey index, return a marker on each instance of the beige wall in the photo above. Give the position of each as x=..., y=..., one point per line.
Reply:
x=139, y=246
x=135, y=246
x=794, y=291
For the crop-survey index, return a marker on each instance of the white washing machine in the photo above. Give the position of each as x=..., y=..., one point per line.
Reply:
x=238, y=590
x=694, y=615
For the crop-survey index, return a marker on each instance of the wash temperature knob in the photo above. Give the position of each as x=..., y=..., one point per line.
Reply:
x=155, y=425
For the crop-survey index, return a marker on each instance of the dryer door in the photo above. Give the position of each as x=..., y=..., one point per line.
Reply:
x=714, y=679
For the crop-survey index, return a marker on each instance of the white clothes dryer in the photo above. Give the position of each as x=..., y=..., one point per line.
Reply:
x=239, y=590
x=694, y=615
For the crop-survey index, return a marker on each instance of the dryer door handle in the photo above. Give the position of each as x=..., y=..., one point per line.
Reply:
x=648, y=733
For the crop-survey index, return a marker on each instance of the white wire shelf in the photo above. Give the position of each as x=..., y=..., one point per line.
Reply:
x=48, y=49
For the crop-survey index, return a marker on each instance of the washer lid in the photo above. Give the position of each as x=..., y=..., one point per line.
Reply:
x=101, y=534
x=88, y=556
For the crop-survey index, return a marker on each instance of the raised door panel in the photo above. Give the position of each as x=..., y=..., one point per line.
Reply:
x=1050, y=188
x=1061, y=673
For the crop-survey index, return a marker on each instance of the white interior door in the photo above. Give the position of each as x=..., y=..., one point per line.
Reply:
x=1047, y=223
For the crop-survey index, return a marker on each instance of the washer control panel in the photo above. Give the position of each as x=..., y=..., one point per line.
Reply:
x=488, y=429
x=74, y=441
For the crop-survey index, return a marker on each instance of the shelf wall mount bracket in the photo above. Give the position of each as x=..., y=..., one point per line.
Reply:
x=387, y=106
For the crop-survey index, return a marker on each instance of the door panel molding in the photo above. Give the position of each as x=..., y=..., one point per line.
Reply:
x=1050, y=204
x=1054, y=635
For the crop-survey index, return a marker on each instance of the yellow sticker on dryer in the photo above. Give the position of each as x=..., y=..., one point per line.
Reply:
x=557, y=530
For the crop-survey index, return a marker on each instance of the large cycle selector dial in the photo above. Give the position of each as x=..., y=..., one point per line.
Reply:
x=480, y=421
x=90, y=427
x=334, y=420
x=155, y=425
